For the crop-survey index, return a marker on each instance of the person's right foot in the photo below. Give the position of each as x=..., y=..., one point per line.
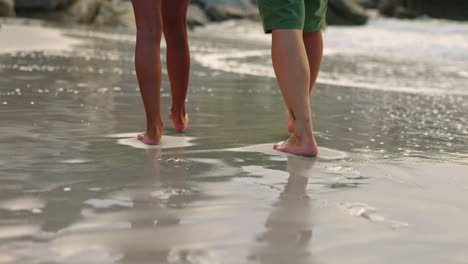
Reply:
x=180, y=120
x=294, y=145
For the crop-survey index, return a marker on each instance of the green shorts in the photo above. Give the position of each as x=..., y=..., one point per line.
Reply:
x=308, y=15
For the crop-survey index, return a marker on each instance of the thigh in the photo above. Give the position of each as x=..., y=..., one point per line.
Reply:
x=148, y=15
x=282, y=14
x=174, y=13
x=315, y=13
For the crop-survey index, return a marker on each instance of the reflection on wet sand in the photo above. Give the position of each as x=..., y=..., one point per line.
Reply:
x=158, y=200
x=147, y=225
x=289, y=225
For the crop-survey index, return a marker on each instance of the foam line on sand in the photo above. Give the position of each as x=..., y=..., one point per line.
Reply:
x=129, y=139
x=324, y=153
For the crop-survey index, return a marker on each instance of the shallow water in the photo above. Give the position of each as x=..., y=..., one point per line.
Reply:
x=390, y=184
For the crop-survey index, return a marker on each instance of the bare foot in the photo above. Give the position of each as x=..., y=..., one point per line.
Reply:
x=180, y=120
x=149, y=140
x=296, y=146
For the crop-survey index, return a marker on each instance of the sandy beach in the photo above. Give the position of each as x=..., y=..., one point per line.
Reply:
x=390, y=184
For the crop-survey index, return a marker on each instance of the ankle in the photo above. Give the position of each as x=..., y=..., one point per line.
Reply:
x=178, y=110
x=303, y=130
x=304, y=137
x=154, y=129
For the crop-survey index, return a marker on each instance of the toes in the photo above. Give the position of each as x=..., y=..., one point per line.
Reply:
x=142, y=138
x=279, y=146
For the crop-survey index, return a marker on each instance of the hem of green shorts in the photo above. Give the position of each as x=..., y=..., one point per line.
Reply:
x=320, y=26
x=283, y=26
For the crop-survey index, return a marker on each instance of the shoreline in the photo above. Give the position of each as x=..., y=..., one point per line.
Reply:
x=16, y=36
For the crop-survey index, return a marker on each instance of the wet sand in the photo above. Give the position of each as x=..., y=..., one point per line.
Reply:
x=390, y=185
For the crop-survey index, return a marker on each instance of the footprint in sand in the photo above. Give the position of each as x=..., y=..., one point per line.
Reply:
x=129, y=139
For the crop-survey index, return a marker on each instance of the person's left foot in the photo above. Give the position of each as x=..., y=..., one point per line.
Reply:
x=149, y=140
x=180, y=120
x=294, y=145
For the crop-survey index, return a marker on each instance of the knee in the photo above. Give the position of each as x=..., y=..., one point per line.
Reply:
x=175, y=30
x=149, y=33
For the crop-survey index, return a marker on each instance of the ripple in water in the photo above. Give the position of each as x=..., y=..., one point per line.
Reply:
x=370, y=213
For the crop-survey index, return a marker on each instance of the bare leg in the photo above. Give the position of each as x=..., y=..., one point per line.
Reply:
x=313, y=43
x=293, y=75
x=148, y=65
x=178, y=58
